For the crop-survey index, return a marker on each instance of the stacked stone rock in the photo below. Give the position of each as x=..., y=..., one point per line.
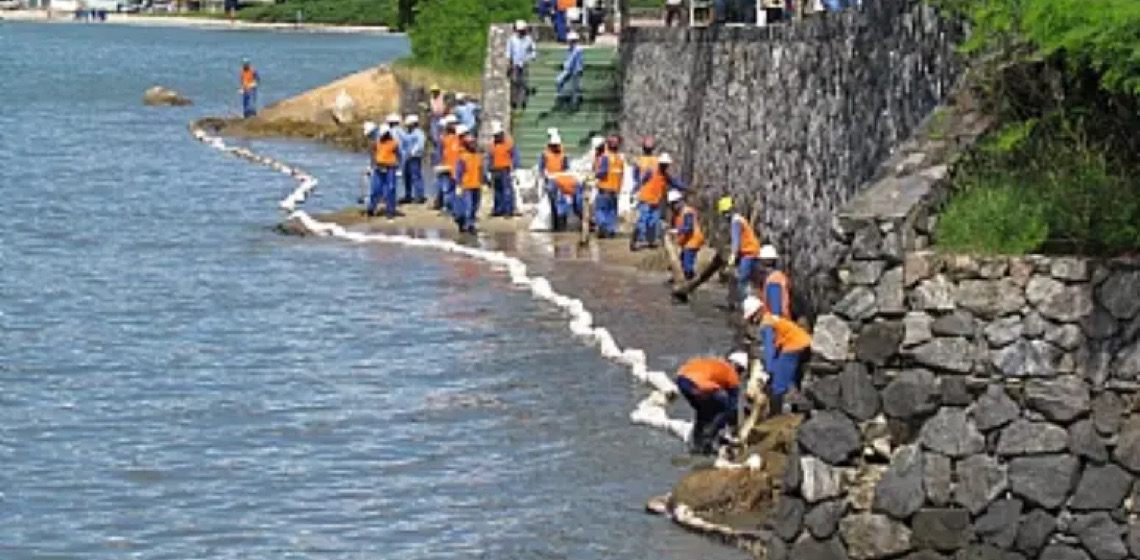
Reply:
x=793, y=118
x=962, y=406
x=496, y=101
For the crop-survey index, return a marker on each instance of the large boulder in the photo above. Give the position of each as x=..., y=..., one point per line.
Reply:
x=160, y=96
x=952, y=433
x=872, y=536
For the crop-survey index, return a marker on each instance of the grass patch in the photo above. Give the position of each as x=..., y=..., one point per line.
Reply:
x=450, y=80
x=330, y=12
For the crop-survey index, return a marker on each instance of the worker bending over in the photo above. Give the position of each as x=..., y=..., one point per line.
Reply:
x=745, y=246
x=385, y=160
x=610, y=171
x=470, y=171
x=711, y=386
x=687, y=230
x=650, y=194
x=502, y=160
x=412, y=144
x=562, y=188
x=783, y=351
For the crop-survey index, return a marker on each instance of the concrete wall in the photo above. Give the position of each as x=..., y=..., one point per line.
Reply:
x=793, y=117
x=496, y=100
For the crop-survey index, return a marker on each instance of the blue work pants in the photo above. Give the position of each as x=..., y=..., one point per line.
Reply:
x=648, y=220
x=414, y=179
x=605, y=210
x=504, y=189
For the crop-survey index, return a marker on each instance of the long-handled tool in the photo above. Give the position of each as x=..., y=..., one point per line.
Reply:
x=364, y=186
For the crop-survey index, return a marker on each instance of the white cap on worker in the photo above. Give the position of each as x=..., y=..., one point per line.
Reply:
x=597, y=142
x=448, y=119
x=460, y=96
x=393, y=118
x=520, y=25
x=384, y=129
x=751, y=306
x=555, y=140
x=768, y=253
x=496, y=127
x=674, y=196
x=412, y=119
x=462, y=129
x=739, y=359
x=572, y=36
x=369, y=127
x=665, y=158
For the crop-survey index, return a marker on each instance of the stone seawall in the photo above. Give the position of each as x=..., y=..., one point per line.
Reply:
x=974, y=407
x=795, y=118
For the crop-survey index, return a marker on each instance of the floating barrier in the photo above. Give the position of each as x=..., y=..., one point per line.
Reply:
x=649, y=412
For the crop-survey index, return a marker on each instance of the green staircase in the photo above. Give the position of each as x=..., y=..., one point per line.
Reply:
x=597, y=114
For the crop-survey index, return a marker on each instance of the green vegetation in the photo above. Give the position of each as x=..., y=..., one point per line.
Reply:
x=452, y=34
x=1062, y=173
x=332, y=12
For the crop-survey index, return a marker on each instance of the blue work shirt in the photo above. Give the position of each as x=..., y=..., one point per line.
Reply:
x=412, y=143
x=574, y=63
x=520, y=50
x=466, y=112
x=736, y=233
x=688, y=223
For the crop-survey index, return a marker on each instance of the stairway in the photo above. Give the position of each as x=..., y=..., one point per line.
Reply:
x=598, y=113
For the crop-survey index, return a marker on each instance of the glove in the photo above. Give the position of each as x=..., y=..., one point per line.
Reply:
x=732, y=261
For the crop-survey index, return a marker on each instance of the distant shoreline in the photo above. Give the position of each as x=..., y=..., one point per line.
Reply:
x=194, y=23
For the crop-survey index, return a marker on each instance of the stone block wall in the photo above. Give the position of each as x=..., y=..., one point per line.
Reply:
x=496, y=100
x=794, y=118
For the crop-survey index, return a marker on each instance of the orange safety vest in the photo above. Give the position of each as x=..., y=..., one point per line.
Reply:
x=789, y=336
x=646, y=164
x=710, y=374
x=749, y=241
x=614, y=175
x=248, y=79
x=653, y=189
x=555, y=161
x=386, y=153
x=694, y=240
x=780, y=279
x=501, y=154
x=452, y=147
x=567, y=184
x=564, y=5
x=472, y=171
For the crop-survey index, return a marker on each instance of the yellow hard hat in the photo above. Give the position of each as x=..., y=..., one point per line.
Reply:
x=435, y=87
x=724, y=204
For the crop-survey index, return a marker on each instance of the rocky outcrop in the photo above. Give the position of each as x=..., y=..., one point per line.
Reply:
x=159, y=96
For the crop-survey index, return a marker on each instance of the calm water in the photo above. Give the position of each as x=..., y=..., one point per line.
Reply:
x=178, y=382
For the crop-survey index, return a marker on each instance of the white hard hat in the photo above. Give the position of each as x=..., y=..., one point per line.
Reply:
x=448, y=119
x=551, y=131
x=665, y=158
x=520, y=25
x=412, y=119
x=597, y=142
x=369, y=127
x=462, y=129
x=751, y=306
x=393, y=118
x=674, y=196
x=572, y=36
x=555, y=139
x=768, y=253
x=460, y=96
x=385, y=129
x=739, y=359
x=496, y=127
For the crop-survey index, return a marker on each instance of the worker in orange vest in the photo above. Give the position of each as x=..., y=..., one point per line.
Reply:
x=610, y=172
x=647, y=162
x=502, y=160
x=745, y=246
x=249, y=80
x=471, y=175
x=775, y=294
x=559, y=19
x=784, y=350
x=385, y=163
x=562, y=188
x=687, y=230
x=711, y=386
x=450, y=148
x=650, y=194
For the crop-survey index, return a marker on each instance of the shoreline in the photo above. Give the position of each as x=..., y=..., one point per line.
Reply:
x=189, y=22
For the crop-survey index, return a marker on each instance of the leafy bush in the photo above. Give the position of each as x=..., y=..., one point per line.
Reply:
x=993, y=217
x=453, y=33
x=335, y=12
